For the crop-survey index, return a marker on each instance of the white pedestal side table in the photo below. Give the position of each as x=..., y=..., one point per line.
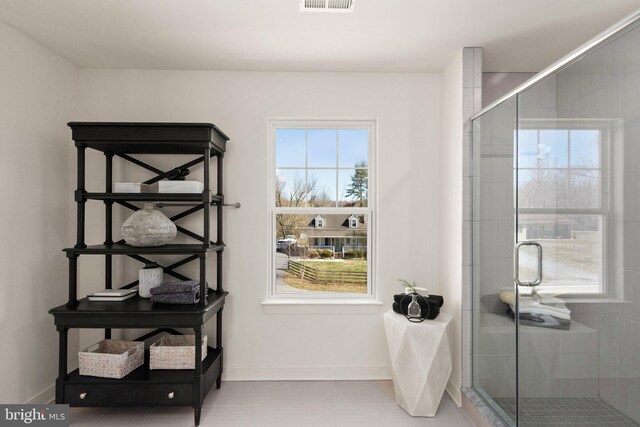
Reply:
x=421, y=361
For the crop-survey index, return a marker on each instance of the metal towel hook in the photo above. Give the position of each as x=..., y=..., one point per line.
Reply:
x=232, y=205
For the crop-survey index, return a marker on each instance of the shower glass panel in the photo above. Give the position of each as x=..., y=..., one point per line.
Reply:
x=494, y=334
x=568, y=353
x=577, y=201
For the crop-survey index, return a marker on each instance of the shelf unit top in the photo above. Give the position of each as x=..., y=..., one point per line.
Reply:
x=124, y=249
x=151, y=197
x=149, y=137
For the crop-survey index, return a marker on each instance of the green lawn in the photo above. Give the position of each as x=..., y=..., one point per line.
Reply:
x=297, y=282
x=350, y=265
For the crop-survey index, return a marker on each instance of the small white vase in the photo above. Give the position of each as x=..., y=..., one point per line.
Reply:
x=148, y=227
x=149, y=277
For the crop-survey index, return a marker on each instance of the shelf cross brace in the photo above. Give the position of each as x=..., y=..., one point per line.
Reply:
x=170, y=269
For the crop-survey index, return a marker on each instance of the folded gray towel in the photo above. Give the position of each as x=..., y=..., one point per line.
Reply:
x=183, y=298
x=178, y=287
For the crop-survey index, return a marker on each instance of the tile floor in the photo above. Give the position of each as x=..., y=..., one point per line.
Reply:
x=282, y=404
x=566, y=412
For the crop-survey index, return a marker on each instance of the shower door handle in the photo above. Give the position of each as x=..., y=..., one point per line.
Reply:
x=516, y=264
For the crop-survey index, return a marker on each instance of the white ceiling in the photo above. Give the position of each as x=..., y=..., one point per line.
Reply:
x=381, y=35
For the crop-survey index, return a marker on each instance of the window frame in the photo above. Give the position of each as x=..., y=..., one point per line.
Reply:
x=371, y=125
x=606, y=129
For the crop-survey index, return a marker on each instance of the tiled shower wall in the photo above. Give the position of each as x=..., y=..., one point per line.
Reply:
x=496, y=85
x=472, y=102
x=605, y=86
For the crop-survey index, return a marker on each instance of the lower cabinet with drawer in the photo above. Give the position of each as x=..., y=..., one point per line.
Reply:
x=126, y=394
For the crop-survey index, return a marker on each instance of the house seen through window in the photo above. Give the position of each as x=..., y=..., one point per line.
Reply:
x=322, y=208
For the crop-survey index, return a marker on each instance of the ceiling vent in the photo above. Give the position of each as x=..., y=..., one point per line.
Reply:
x=335, y=6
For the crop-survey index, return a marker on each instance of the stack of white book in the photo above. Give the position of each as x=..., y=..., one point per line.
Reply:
x=112, y=295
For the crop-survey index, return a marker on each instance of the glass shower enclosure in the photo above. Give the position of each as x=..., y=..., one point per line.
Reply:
x=556, y=243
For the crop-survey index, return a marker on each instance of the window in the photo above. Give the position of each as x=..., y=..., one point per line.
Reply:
x=561, y=204
x=322, y=197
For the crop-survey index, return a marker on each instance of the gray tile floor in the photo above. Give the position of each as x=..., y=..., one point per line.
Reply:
x=283, y=403
x=566, y=412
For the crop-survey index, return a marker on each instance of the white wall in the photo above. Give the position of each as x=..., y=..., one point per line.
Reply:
x=36, y=169
x=294, y=346
x=450, y=208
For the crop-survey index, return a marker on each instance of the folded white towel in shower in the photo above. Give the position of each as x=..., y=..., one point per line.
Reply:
x=534, y=308
x=507, y=295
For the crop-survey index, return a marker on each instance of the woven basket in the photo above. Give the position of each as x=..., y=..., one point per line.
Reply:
x=175, y=352
x=111, y=358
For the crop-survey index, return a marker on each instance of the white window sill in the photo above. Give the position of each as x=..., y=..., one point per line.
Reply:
x=321, y=306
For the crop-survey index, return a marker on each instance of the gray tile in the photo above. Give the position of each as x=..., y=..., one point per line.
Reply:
x=631, y=53
x=608, y=334
x=169, y=416
x=85, y=416
x=477, y=67
x=467, y=102
x=629, y=347
x=631, y=98
x=467, y=67
x=570, y=412
x=628, y=392
x=125, y=416
x=477, y=99
x=310, y=403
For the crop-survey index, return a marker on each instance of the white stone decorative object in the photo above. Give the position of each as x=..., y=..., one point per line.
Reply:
x=148, y=227
x=421, y=361
x=180, y=187
x=149, y=277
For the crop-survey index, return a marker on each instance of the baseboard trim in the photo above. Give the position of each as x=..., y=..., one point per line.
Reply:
x=315, y=373
x=46, y=396
x=455, y=393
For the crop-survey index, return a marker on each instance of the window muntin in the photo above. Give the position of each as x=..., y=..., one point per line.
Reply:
x=561, y=205
x=322, y=167
x=322, y=197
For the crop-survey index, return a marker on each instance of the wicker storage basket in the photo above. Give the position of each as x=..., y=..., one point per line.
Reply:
x=111, y=358
x=175, y=352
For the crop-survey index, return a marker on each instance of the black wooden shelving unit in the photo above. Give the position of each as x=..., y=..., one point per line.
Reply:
x=144, y=387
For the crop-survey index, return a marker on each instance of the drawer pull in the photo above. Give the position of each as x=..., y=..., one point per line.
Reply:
x=171, y=395
x=83, y=395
